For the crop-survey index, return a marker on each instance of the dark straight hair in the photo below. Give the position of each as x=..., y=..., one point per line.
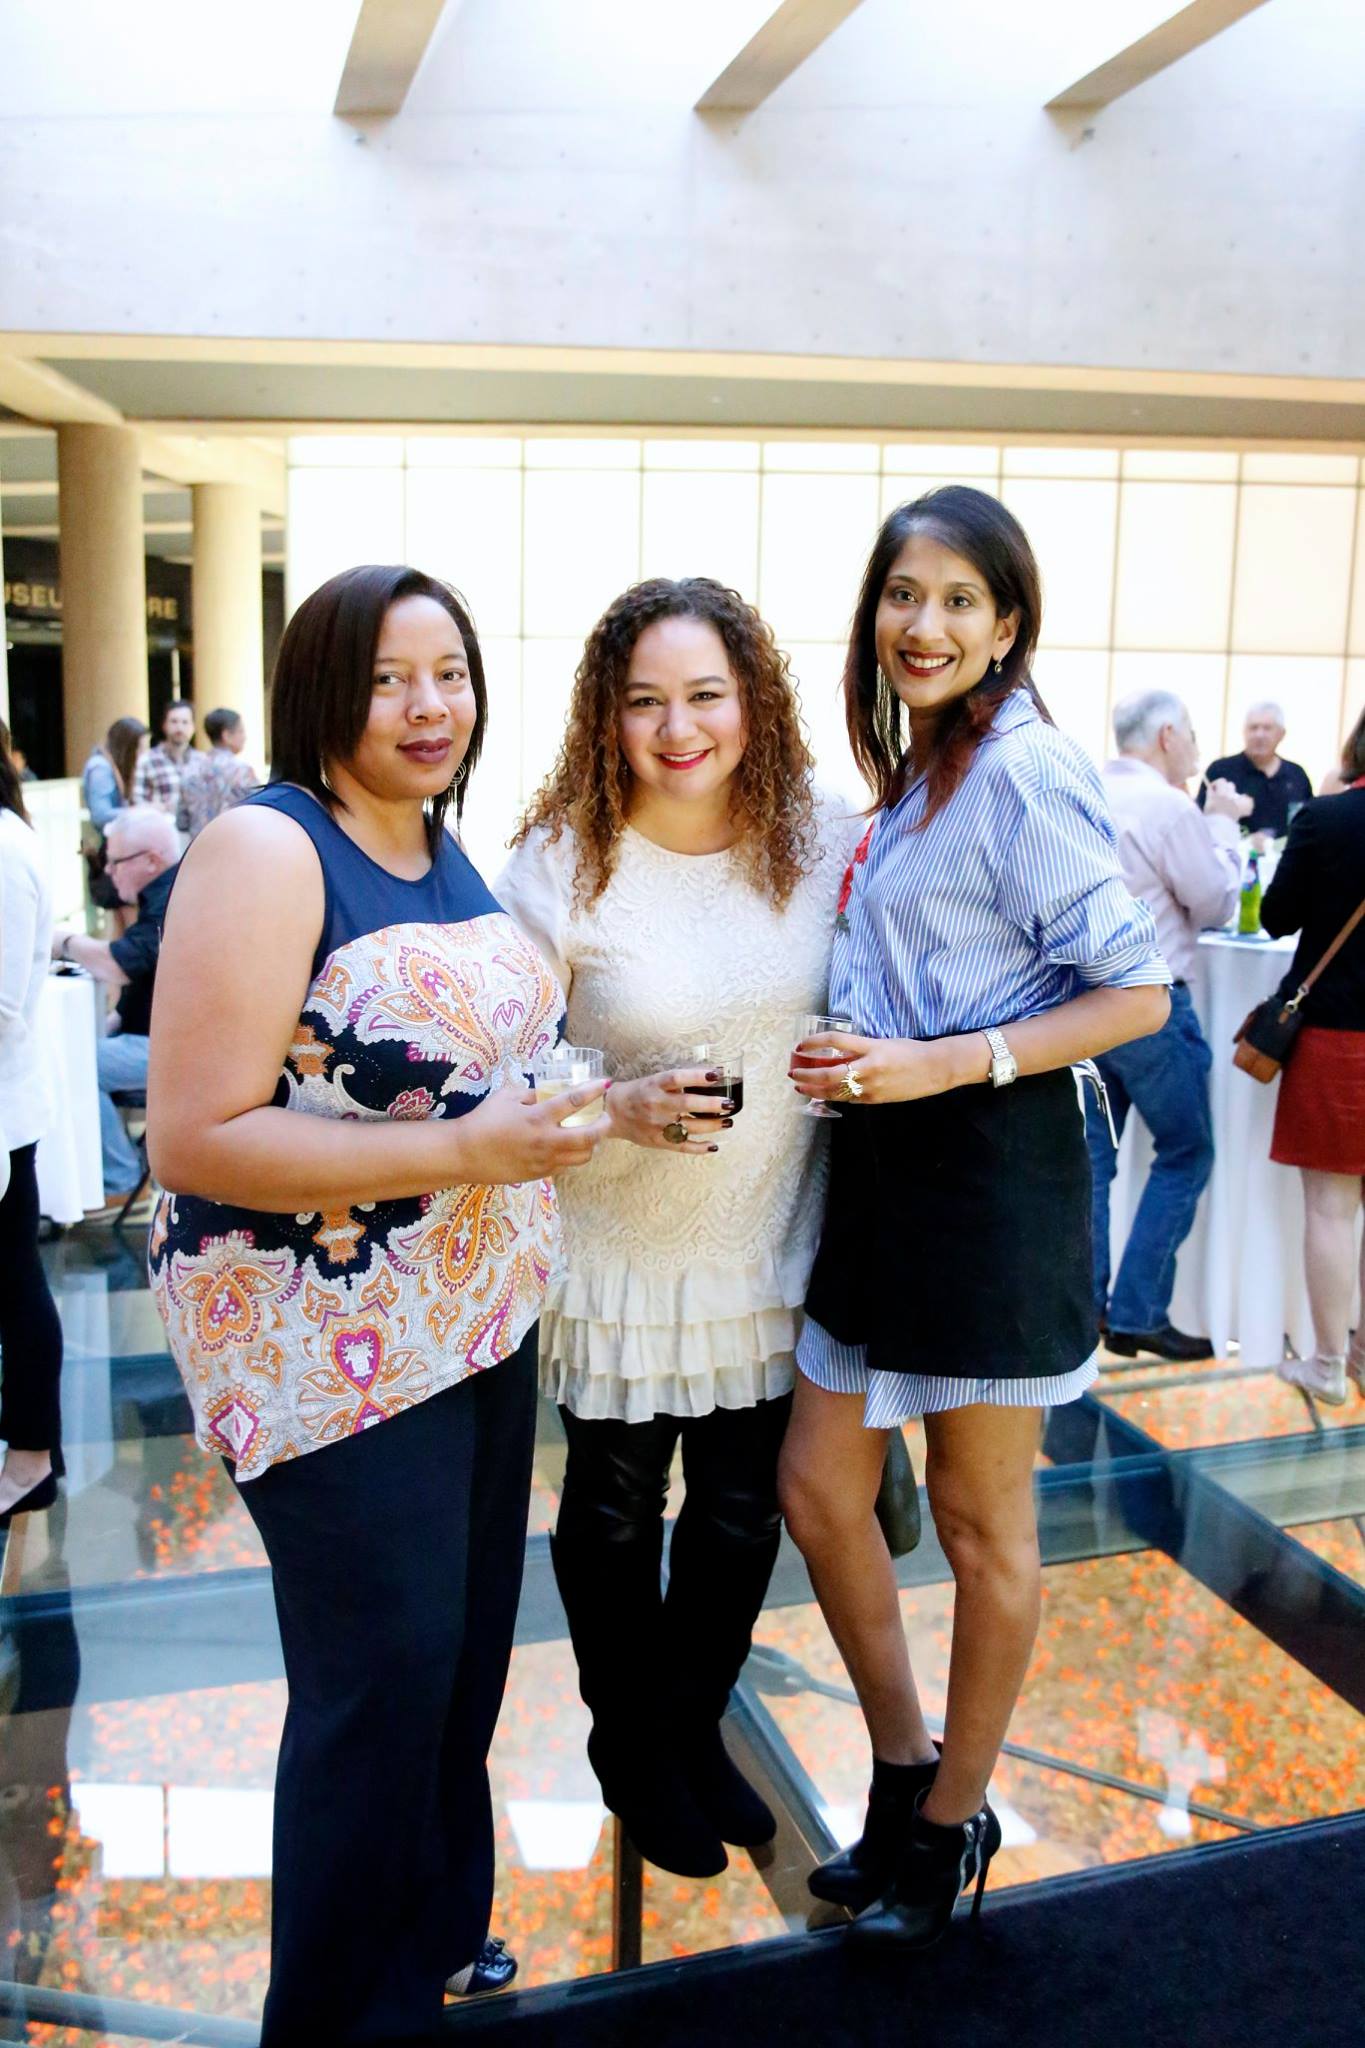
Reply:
x=324, y=676
x=11, y=788
x=1353, y=753
x=977, y=527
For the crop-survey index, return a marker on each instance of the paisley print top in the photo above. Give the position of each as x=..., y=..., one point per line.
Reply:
x=294, y=1331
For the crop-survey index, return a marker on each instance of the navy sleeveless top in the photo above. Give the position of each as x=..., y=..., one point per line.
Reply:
x=294, y=1331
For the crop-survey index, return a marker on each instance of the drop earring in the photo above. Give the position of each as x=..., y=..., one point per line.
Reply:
x=999, y=669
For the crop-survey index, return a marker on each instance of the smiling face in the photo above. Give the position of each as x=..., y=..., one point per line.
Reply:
x=422, y=705
x=682, y=719
x=937, y=630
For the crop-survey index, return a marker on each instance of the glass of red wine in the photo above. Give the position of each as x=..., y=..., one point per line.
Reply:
x=807, y=1057
x=728, y=1067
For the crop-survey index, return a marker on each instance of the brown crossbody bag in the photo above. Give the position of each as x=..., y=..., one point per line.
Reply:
x=1266, y=1036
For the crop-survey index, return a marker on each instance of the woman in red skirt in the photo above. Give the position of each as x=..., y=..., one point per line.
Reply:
x=1320, y=1116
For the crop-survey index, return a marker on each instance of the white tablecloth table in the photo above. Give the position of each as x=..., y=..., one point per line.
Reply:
x=70, y=1174
x=1240, y=1272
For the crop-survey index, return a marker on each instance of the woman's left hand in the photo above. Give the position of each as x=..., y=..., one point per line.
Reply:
x=887, y=1069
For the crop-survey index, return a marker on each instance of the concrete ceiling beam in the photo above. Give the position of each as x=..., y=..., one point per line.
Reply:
x=791, y=33
x=388, y=43
x=1182, y=30
x=202, y=459
x=53, y=400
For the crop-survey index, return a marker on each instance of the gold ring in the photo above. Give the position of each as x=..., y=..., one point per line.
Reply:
x=676, y=1132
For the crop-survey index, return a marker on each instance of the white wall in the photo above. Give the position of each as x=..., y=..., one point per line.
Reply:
x=1226, y=577
x=176, y=169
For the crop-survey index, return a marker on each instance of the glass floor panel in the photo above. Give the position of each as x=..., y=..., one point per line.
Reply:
x=1200, y=1672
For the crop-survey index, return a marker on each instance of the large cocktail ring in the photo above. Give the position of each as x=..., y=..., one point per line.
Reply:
x=849, y=1089
x=676, y=1132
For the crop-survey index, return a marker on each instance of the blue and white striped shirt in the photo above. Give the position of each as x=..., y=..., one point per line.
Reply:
x=1010, y=902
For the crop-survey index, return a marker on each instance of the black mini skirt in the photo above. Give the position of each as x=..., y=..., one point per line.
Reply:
x=956, y=1238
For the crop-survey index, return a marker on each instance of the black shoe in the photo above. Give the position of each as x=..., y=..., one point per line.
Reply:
x=643, y=1784
x=1167, y=1342
x=492, y=1969
x=860, y=1875
x=723, y=1794
x=43, y=1495
x=934, y=1866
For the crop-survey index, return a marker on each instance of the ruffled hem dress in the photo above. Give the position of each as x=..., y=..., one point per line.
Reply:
x=683, y=1277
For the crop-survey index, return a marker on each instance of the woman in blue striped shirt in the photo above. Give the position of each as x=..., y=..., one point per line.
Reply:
x=987, y=945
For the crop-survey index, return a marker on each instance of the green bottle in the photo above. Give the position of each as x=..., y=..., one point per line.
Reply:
x=1249, y=914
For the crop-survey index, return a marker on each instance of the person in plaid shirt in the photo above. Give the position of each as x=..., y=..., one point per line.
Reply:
x=162, y=770
x=215, y=781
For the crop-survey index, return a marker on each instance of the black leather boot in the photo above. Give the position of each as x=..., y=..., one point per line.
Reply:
x=934, y=1866
x=721, y=1558
x=613, y=1600
x=861, y=1874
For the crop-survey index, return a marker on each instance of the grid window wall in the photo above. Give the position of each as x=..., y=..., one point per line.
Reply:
x=1224, y=575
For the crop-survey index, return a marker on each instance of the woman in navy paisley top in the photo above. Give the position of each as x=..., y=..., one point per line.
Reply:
x=358, y=1227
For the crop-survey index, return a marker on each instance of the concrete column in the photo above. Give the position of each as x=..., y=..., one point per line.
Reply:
x=104, y=583
x=229, y=651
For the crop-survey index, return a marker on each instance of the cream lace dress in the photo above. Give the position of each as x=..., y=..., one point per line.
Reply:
x=684, y=1276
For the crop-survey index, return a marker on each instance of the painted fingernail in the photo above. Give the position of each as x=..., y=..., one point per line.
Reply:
x=713, y=1076
x=727, y=1123
x=713, y=1148
x=606, y=1085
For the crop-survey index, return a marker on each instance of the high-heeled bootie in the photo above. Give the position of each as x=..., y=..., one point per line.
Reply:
x=861, y=1874
x=934, y=1866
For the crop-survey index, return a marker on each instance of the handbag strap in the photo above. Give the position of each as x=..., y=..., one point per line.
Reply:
x=1330, y=955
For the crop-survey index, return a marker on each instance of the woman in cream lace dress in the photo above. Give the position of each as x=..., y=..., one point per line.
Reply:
x=681, y=876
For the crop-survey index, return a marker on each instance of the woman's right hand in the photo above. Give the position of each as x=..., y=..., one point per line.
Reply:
x=512, y=1137
x=642, y=1110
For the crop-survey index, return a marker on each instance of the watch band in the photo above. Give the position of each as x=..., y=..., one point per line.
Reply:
x=1003, y=1066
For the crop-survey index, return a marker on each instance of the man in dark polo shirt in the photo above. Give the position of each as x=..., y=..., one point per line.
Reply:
x=1259, y=772
x=143, y=849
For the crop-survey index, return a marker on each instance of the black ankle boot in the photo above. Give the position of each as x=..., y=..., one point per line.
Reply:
x=861, y=1874
x=934, y=1866
x=727, y=1799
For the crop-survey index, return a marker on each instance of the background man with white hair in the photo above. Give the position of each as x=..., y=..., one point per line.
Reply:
x=1187, y=868
x=143, y=849
x=1259, y=771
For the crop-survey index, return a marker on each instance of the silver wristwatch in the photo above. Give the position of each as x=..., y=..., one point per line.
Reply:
x=1003, y=1068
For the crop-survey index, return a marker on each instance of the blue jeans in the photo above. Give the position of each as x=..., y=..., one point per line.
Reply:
x=120, y=1062
x=1165, y=1078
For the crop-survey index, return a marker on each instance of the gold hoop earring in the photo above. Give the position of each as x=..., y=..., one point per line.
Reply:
x=999, y=668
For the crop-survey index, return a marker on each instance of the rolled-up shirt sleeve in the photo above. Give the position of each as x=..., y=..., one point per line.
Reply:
x=1060, y=884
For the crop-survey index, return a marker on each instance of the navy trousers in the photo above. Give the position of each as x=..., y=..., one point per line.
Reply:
x=30, y=1329
x=397, y=1560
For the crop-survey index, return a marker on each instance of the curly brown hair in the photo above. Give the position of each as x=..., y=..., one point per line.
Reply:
x=588, y=790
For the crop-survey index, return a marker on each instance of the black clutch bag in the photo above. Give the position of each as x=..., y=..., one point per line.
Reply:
x=897, y=1507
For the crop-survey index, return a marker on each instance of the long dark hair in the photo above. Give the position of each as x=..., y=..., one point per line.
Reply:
x=589, y=788
x=11, y=788
x=977, y=527
x=1353, y=753
x=121, y=744
x=324, y=676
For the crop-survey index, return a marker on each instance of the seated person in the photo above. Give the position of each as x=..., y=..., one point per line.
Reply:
x=143, y=853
